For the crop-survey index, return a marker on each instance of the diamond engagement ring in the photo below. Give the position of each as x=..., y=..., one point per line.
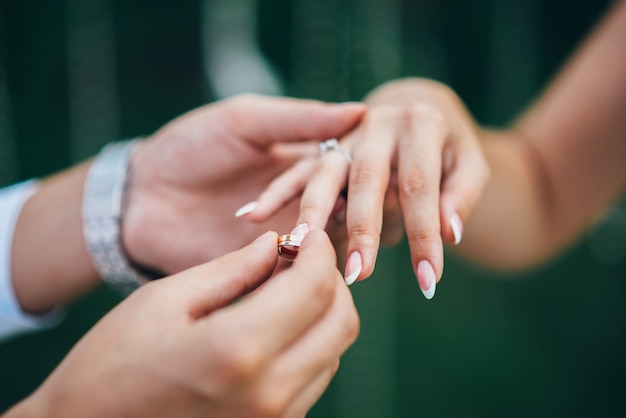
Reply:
x=333, y=145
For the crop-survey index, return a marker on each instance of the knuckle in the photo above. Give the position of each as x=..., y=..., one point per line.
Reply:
x=423, y=238
x=370, y=172
x=367, y=172
x=383, y=114
x=239, y=363
x=363, y=235
x=413, y=183
x=432, y=88
x=268, y=404
x=324, y=289
x=426, y=114
x=440, y=89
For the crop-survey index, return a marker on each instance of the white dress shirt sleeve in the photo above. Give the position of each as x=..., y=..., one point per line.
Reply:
x=13, y=320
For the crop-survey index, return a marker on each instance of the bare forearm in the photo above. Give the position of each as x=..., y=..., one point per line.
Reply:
x=562, y=163
x=508, y=227
x=50, y=263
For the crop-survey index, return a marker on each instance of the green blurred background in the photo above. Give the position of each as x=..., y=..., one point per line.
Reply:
x=75, y=74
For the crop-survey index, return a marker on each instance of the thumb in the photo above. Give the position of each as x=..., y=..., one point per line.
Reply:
x=281, y=119
x=213, y=285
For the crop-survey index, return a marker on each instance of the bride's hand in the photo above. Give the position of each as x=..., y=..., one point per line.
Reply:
x=417, y=165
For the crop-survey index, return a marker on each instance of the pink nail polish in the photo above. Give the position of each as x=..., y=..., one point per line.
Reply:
x=353, y=267
x=426, y=278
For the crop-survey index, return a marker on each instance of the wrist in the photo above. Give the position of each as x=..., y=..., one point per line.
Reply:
x=136, y=229
x=103, y=208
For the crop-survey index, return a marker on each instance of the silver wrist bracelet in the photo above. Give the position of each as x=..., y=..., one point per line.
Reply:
x=102, y=216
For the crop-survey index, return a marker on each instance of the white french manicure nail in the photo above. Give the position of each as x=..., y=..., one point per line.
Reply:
x=353, y=267
x=457, y=228
x=426, y=278
x=299, y=232
x=246, y=209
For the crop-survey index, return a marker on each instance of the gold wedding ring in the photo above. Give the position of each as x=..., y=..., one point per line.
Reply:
x=287, y=247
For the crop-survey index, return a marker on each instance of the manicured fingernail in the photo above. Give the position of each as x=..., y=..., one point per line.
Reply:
x=353, y=267
x=426, y=278
x=246, y=209
x=457, y=228
x=299, y=232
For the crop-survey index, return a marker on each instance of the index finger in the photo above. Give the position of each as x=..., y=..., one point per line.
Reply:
x=292, y=301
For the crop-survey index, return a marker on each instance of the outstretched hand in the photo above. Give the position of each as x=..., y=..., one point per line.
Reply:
x=189, y=178
x=417, y=166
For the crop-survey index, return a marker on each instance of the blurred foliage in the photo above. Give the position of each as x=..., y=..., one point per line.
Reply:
x=548, y=343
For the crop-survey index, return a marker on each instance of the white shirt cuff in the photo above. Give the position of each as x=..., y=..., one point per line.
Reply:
x=13, y=320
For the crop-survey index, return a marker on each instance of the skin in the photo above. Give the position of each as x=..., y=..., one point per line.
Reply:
x=563, y=162
x=185, y=183
x=420, y=160
x=180, y=347
x=388, y=193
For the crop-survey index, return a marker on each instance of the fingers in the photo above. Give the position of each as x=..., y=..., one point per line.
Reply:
x=293, y=300
x=305, y=362
x=368, y=184
x=319, y=180
x=419, y=177
x=322, y=190
x=213, y=285
x=258, y=334
x=279, y=192
x=441, y=173
x=465, y=175
x=320, y=346
x=265, y=120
